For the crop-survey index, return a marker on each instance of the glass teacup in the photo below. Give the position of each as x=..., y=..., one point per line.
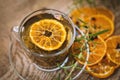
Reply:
x=46, y=60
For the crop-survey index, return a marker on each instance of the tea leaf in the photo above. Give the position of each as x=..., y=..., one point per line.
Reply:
x=82, y=21
x=97, y=33
x=79, y=39
x=70, y=73
x=80, y=56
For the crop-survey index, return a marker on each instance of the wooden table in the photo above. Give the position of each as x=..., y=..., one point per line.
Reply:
x=11, y=14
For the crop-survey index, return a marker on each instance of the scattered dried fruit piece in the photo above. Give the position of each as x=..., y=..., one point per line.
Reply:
x=97, y=51
x=113, y=49
x=98, y=23
x=103, y=69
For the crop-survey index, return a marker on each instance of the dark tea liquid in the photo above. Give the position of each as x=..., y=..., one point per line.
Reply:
x=46, y=61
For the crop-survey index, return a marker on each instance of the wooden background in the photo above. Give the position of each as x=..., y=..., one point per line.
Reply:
x=11, y=14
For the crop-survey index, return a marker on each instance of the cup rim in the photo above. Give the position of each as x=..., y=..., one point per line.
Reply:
x=46, y=55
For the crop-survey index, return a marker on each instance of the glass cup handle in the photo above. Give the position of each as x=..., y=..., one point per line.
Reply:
x=14, y=32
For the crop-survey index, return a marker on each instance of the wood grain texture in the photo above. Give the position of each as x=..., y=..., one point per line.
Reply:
x=11, y=14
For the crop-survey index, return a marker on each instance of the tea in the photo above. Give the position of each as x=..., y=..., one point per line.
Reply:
x=47, y=58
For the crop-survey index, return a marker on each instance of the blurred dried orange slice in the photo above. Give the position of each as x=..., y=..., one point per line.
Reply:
x=82, y=13
x=98, y=23
x=47, y=34
x=106, y=12
x=97, y=51
x=113, y=49
x=103, y=69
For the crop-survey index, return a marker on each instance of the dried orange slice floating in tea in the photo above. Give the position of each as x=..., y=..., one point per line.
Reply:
x=113, y=49
x=97, y=51
x=82, y=13
x=103, y=69
x=98, y=23
x=47, y=34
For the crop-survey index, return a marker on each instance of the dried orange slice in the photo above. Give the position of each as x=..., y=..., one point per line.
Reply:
x=97, y=51
x=82, y=13
x=47, y=34
x=98, y=23
x=113, y=49
x=106, y=12
x=103, y=69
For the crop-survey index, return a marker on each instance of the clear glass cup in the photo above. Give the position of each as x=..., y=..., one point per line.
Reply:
x=45, y=60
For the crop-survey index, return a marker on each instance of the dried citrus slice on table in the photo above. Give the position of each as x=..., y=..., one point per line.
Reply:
x=103, y=69
x=97, y=51
x=98, y=23
x=82, y=13
x=47, y=34
x=106, y=12
x=113, y=49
